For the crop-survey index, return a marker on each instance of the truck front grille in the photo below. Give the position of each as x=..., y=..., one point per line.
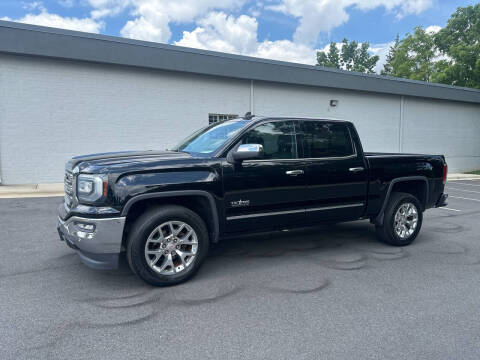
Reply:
x=68, y=185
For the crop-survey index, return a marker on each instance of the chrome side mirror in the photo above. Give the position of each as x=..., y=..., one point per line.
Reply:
x=248, y=152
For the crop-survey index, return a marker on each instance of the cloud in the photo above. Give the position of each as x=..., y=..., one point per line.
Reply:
x=44, y=18
x=316, y=16
x=151, y=18
x=239, y=35
x=221, y=32
x=34, y=5
x=411, y=6
x=152, y=26
x=286, y=50
x=107, y=8
x=216, y=30
x=433, y=29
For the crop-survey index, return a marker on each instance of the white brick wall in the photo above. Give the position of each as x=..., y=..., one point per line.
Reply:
x=449, y=128
x=429, y=126
x=51, y=110
x=376, y=117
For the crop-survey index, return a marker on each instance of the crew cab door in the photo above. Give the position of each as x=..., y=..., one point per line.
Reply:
x=336, y=172
x=267, y=193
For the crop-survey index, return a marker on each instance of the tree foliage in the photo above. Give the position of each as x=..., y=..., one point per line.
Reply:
x=387, y=67
x=460, y=42
x=330, y=59
x=451, y=56
x=352, y=56
x=413, y=56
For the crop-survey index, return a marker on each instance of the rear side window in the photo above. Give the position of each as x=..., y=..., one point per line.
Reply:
x=321, y=139
x=277, y=139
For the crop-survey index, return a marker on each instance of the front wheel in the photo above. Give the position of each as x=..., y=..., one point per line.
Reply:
x=402, y=220
x=167, y=245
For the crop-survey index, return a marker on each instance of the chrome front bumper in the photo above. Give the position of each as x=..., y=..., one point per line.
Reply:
x=98, y=247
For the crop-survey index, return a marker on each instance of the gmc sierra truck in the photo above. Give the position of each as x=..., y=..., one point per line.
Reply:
x=250, y=174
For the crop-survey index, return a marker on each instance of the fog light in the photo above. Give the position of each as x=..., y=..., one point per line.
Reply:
x=84, y=235
x=85, y=227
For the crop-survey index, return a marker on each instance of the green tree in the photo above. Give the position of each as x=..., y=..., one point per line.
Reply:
x=413, y=57
x=460, y=42
x=330, y=59
x=387, y=67
x=352, y=57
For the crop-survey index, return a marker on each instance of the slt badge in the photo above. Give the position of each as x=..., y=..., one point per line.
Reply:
x=240, y=203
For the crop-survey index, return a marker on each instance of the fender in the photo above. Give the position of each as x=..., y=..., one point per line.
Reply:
x=169, y=194
x=379, y=219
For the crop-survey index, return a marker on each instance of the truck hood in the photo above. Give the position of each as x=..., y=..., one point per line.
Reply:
x=102, y=162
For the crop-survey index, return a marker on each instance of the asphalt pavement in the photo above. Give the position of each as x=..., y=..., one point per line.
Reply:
x=329, y=293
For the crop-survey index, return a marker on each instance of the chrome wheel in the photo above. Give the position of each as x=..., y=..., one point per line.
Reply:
x=171, y=247
x=406, y=220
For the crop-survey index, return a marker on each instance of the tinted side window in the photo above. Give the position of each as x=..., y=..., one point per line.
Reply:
x=326, y=139
x=277, y=138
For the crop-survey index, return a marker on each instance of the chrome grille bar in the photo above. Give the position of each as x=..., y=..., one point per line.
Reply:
x=68, y=185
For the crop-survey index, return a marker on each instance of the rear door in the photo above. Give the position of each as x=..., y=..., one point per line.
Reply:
x=336, y=173
x=267, y=193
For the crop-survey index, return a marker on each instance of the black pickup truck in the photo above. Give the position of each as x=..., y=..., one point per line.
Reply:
x=251, y=174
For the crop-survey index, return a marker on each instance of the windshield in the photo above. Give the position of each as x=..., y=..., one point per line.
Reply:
x=209, y=139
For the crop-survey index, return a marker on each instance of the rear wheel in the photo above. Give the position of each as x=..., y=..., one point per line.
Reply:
x=402, y=220
x=167, y=245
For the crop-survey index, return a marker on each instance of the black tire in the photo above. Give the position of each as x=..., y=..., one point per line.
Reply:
x=142, y=229
x=386, y=232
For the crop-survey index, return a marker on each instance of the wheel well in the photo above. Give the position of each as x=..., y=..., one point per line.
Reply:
x=198, y=204
x=417, y=188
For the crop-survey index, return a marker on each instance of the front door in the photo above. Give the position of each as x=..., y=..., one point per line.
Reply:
x=267, y=193
x=336, y=173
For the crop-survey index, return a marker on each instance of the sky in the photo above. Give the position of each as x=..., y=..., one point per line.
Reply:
x=288, y=30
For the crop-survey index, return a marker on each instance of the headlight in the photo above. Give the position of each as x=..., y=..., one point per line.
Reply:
x=90, y=188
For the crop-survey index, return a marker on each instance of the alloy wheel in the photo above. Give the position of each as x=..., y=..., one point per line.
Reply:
x=171, y=248
x=406, y=220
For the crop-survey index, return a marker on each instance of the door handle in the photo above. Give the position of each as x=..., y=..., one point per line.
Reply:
x=294, y=172
x=356, y=169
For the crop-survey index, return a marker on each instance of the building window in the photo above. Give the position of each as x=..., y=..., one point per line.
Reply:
x=214, y=118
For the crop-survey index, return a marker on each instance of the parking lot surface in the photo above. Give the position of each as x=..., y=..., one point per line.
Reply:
x=329, y=293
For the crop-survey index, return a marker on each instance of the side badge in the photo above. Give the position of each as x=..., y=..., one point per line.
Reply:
x=239, y=203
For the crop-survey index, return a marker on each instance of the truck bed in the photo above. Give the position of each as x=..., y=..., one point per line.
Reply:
x=387, y=167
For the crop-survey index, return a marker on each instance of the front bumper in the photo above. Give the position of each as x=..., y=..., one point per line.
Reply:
x=98, y=248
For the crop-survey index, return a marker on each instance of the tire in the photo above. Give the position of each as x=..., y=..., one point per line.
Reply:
x=388, y=233
x=153, y=237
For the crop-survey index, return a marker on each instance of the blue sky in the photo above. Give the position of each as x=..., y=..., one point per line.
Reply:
x=290, y=30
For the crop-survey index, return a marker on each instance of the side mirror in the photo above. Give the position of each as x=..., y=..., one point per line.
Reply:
x=248, y=152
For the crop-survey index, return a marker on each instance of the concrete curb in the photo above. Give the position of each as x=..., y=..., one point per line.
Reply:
x=31, y=190
x=463, y=177
x=48, y=190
